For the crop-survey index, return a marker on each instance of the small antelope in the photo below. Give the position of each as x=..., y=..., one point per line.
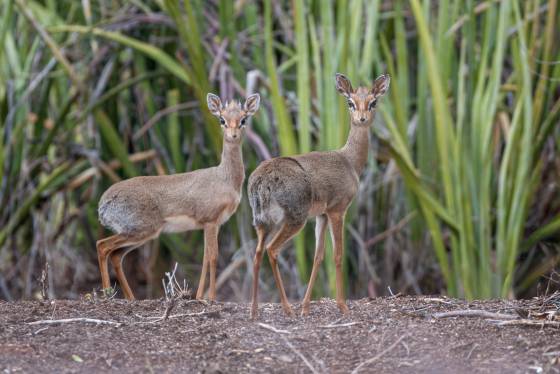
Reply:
x=139, y=209
x=285, y=191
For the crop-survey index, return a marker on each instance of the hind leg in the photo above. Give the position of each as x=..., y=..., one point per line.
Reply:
x=320, y=227
x=261, y=237
x=107, y=247
x=287, y=231
x=117, y=260
x=104, y=249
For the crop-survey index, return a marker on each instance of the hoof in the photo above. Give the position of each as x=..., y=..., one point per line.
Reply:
x=343, y=308
x=254, y=313
x=288, y=310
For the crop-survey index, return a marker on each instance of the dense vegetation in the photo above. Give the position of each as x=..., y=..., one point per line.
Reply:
x=461, y=193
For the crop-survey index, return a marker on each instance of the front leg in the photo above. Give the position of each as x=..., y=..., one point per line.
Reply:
x=336, y=223
x=202, y=281
x=211, y=240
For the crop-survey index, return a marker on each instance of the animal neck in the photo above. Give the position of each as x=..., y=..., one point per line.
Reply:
x=356, y=147
x=232, y=164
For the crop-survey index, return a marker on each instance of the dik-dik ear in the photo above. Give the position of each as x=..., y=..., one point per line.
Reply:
x=381, y=85
x=252, y=104
x=214, y=104
x=343, y=85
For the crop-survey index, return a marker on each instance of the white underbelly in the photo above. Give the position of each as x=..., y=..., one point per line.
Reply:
x=180, y=224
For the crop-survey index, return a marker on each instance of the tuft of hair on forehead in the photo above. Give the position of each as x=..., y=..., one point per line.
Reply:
x=362, y=91
x=233, y=105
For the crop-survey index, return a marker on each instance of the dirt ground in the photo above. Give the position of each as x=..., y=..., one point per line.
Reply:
x=394, y=334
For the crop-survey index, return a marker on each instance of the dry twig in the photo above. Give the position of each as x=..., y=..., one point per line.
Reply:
x=474, y=313
x=438, y=300
x=303, y=358
x=472, y=350
x=379, y=355
x=274, y=329
x=70, y=320
x=527, y=322
x=334, y=326
x=212, y=314
x=390, y=231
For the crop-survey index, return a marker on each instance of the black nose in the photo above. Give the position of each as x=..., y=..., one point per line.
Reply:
x=234, y=136
x=363, y=119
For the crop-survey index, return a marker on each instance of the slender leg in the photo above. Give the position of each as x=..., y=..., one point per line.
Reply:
x=211, y=236
x=201, y=283
x=107, y=247
x=261, y=237
x=116, y=259
x=104, y=249
x=320, y=227
x=336, y=222
x=286, y=233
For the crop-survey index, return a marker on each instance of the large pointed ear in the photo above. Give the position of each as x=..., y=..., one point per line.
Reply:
x=381, y=85
x=214, y=104
x=343, y=85
x=252, y=104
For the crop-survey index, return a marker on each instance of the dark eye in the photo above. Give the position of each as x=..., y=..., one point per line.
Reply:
x=243, y=120
x=222, y=121
x=372, y=105
x=351, y=105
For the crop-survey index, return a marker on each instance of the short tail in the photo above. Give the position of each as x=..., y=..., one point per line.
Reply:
x=279, y=189
x=260, y=196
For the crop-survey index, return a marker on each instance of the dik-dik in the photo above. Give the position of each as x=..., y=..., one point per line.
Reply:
x=285, y=191
x=139, y=209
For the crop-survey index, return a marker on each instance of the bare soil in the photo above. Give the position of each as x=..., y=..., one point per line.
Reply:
x=394, y=334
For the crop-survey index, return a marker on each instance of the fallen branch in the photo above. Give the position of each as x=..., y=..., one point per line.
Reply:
x=526, y=322
x=303, y=358
x=379, y=355
x=70, y=320
x=475, y=313
x=274, y=329
x=333, y=326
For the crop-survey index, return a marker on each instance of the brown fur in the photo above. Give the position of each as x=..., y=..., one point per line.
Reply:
x=285, y=191
x=139, y=209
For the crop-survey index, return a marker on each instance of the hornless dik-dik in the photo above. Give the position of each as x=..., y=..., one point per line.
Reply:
x=141, y=208
x=285, y=191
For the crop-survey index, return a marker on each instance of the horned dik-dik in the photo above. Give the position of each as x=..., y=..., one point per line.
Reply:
x=285, y=191
x=141, y=208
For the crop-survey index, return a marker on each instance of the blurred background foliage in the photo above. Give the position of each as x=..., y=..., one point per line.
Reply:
x=461, y=193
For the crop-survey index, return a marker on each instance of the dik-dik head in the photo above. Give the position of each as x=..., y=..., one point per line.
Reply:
x=363, y=100
x=233, y=117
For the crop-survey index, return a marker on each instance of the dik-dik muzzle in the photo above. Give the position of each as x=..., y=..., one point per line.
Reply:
x=233, y=117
